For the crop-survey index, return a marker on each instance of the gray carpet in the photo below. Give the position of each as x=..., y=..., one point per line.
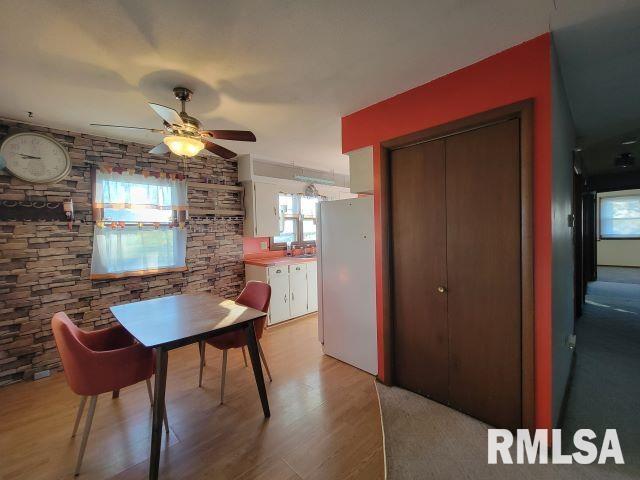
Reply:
x=605, y=391
x=426, y=440
x=619, y=274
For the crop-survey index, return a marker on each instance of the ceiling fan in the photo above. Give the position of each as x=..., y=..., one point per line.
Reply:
x=182, y=133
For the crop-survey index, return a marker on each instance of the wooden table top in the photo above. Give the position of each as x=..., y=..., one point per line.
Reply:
x=164, y=320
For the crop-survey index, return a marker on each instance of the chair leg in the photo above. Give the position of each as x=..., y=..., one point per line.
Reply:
x=166, y=419
x=202, y=347
x=85, y=434
x=244, y=355
x=224, y=374
x=149, y=391
x=264, y=360
x=83, y=402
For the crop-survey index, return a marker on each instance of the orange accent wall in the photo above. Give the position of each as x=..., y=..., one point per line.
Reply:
x=517, y=74
x=252, y=245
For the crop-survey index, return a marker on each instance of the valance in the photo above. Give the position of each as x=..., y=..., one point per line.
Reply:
x=123, y=189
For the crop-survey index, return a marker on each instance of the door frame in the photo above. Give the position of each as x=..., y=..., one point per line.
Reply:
x=524, y=112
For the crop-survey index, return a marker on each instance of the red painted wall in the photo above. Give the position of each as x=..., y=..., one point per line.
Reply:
x=516, y=74
x=252, y=244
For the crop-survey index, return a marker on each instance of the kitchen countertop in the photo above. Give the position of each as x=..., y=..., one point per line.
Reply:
x=273, y=261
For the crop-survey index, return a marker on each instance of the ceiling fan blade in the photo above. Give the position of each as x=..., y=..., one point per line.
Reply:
x=126, y=126
x=159, y=149
x=239, y=135
x=218, y=150
x=167, y=114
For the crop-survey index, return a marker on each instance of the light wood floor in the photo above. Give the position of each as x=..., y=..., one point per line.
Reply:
x=324, y=424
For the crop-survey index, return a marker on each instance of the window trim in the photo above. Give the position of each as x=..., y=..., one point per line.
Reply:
x=299, y=217
x=180, y=214
x=606, y=237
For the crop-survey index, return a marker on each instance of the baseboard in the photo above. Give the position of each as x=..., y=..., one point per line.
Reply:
x=567, y=390
x=618, y=266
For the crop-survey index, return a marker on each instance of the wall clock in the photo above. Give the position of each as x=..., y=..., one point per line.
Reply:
x=35, y=158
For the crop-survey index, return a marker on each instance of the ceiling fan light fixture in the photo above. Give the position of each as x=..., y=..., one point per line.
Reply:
x=182, y=145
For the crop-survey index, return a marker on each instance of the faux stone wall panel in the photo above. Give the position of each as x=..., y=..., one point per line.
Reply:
x=44, y=266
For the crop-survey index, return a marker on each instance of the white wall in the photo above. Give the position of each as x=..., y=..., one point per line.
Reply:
x=563, y=142
x=622, y=252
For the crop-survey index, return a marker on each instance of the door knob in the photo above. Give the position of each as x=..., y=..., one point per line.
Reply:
x=442, y=289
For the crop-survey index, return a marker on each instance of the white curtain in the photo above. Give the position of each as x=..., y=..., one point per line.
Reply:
x=139, y=224
x=135, y=249
x=125, y=190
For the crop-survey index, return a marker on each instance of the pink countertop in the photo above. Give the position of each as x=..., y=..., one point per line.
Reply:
x=272, y=261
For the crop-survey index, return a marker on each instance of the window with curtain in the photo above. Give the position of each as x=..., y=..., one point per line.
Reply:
x=297, y=219
x=620, y=217
x=139, y=223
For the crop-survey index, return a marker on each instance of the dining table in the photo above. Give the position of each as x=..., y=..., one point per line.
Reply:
x=174, y=321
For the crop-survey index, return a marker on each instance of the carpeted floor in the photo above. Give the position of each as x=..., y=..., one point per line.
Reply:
x=619, y=274
x=426, y=440
x=605, y=391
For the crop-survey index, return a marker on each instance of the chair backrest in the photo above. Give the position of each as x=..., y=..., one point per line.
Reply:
x=73, y=352
x=256, y=295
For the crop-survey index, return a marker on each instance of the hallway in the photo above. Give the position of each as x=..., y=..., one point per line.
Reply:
x=605, y=391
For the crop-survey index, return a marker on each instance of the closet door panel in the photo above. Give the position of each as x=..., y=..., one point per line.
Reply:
x=418, y=224
x=483, y=268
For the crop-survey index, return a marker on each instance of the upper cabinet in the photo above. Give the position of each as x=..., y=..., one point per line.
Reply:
x=264, y=181
x=361, y=170
x=261, y=209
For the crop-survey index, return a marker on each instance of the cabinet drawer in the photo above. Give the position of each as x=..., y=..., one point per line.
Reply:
x=299, y=269
x=277, y=271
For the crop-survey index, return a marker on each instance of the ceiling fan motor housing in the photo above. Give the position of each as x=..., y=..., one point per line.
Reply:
x=191, y=124
x=183, y=94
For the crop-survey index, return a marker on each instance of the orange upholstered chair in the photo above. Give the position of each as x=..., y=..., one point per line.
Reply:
x=255, y=295
x=98, y=362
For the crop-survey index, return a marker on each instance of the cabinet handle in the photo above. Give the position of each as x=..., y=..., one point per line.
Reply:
x=292, y=297
x=285, y=298
x=275, y=211
x=278, y=271
x=297, y=268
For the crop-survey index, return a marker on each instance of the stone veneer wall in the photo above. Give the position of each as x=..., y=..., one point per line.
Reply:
x=44, y=267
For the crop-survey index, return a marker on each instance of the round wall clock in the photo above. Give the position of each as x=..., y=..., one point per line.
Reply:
x=35, y=158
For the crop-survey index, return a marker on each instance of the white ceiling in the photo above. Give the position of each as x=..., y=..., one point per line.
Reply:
x=288, y=70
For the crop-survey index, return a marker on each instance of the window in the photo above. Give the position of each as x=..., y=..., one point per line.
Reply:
x=139, y=224
x=620, y=217
x=297, y=219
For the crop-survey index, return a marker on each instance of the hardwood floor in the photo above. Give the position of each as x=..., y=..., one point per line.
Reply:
x=325, y=421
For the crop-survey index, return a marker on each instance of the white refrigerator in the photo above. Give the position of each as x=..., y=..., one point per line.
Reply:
x=346, y=282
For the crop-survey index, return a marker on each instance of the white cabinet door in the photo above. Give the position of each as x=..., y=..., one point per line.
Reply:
x=265, y=209
x=298, y=289
x=312, y=286
x=279, y=310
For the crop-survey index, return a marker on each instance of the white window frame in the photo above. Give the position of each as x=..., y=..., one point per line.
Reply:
x=603, y=236
x=299, y=218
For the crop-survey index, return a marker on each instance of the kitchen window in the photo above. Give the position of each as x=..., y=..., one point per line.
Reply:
x=620, y=217
x=139, y=224
x=297, y=220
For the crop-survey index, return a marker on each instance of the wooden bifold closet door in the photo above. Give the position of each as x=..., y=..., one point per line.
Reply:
x=456, y=279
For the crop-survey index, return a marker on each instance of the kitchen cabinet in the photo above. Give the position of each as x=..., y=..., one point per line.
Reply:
x=312, y=286
x=294, y=288
x=278, y=278
x=261, y=209
x=361, y=170
x=298, y=290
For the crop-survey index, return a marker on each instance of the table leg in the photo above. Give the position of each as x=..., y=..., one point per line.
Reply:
x=158, y=411
x=252, y=345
